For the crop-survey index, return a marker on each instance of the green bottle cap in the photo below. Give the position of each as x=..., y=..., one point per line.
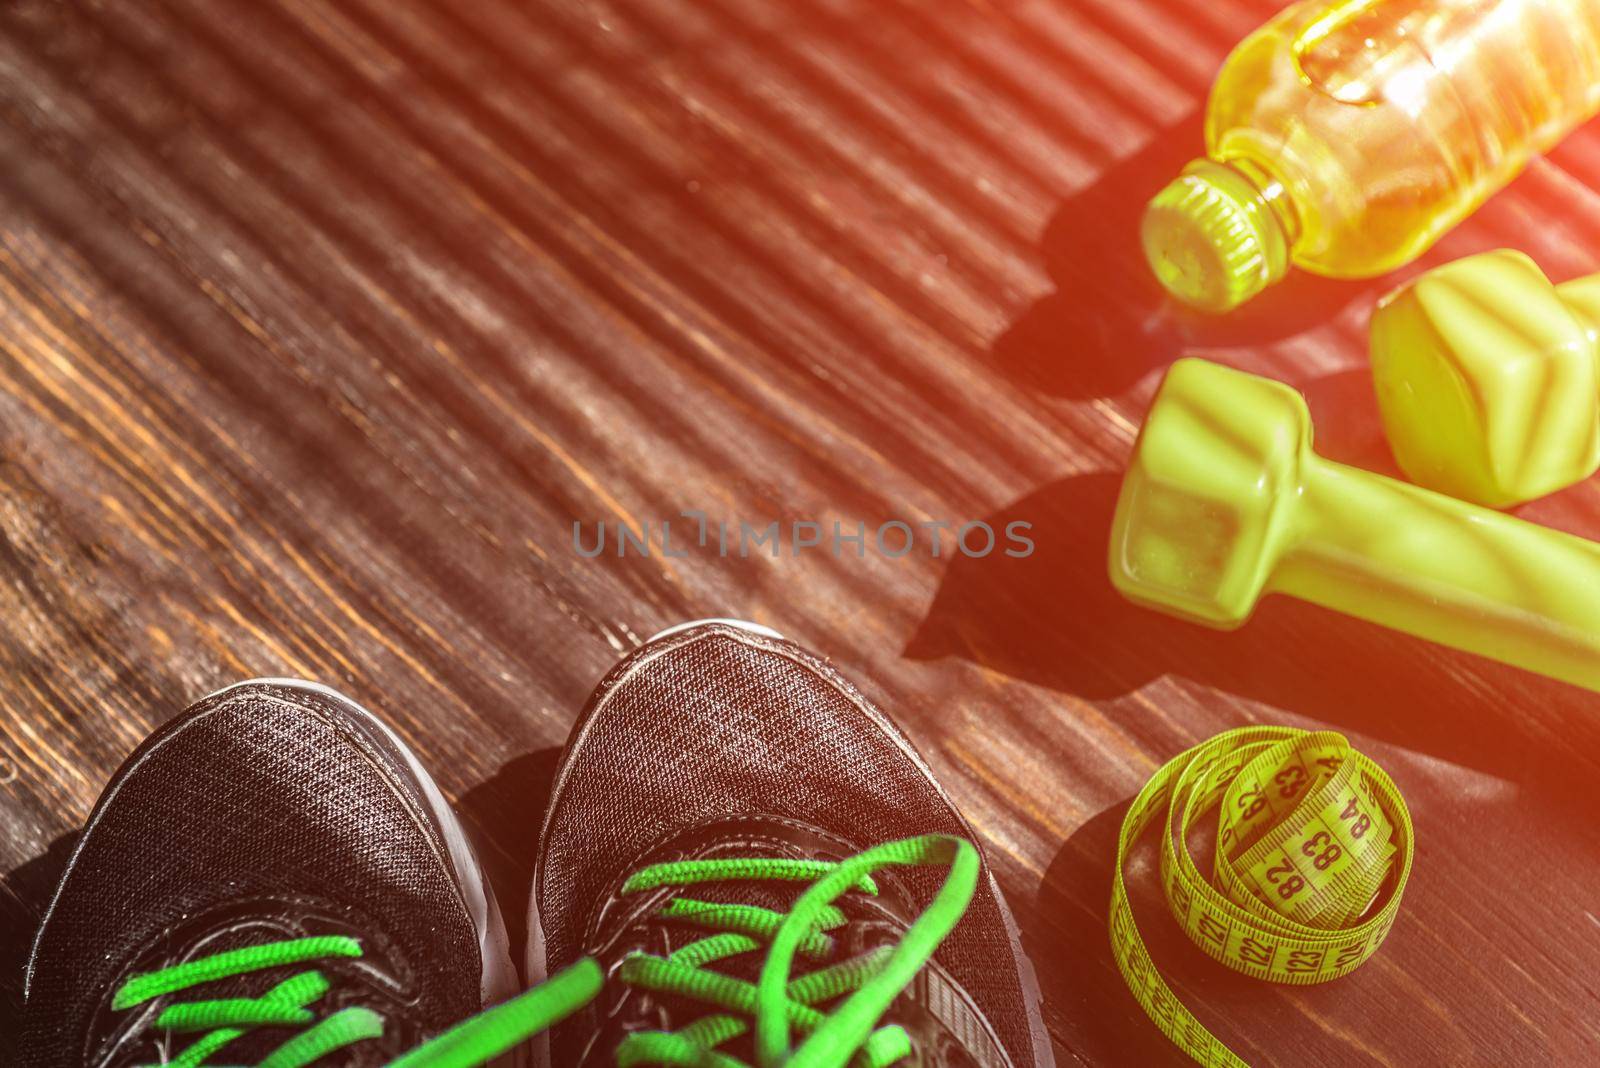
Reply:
x=1212, y=240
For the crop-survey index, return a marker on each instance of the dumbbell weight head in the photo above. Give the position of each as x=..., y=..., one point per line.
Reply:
x=1487, y=381
x=1209, y=495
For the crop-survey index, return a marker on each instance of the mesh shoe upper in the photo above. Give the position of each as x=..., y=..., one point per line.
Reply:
x=262, y=813
x=720, y=732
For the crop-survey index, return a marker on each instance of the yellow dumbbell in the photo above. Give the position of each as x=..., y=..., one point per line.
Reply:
x=1488, y=378
x=1224, y=501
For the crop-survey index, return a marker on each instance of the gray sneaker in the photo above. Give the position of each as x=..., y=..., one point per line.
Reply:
x=710, y=774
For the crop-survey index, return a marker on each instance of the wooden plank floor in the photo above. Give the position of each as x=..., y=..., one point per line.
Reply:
x=321, y=324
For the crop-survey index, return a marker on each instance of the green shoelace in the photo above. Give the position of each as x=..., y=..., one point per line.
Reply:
x=848, y=1035
x=474, y=1042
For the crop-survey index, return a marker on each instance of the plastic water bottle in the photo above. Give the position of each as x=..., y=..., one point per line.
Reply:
x=1347, y=137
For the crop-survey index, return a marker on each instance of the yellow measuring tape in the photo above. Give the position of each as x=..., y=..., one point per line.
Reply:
x=1313, y=849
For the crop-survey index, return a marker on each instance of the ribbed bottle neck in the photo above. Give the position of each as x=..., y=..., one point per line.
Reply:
x=1272, y=193
x=1219, y=233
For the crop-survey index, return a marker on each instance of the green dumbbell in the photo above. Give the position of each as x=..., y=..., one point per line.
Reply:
x=1488, y=378
x=1224, y=501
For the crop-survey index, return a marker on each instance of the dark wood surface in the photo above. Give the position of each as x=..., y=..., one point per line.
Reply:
x=320, y=325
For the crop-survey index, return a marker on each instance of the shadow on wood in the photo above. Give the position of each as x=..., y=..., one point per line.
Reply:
x=504, y=815
x=1109, y=323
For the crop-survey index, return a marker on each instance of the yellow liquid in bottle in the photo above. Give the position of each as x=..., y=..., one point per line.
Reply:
x=1346, y=138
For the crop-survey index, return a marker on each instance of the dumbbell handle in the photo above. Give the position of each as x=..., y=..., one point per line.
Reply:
x=1442, y=569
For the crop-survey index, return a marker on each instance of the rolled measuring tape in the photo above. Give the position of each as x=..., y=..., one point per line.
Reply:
x=1313, y=849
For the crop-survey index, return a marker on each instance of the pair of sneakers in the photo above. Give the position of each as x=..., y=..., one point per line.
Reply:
x=742, y=862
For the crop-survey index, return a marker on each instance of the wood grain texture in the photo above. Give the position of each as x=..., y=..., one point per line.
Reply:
x=321, y=323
